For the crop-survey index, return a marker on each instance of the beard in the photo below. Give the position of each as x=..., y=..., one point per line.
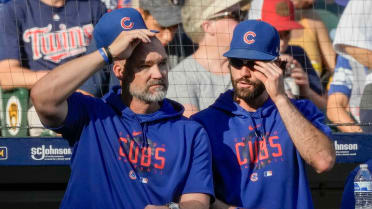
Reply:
x=245, y=93
x=144, y=93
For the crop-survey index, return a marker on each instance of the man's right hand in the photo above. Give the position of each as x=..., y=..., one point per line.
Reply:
x=123, y=46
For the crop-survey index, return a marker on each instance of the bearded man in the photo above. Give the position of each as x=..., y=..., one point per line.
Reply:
x=132, y=148
x=260, y=137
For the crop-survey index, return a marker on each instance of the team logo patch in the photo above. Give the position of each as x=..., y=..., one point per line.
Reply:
x=132, y=175
x=3, y=153
x=254, y=177
x=126, y=23
x=268, y=173
x=144, y=180
x=249, y=37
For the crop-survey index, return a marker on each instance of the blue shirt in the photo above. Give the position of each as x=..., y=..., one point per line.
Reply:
x=41, y=37
x=255, y=162
x=127, y=160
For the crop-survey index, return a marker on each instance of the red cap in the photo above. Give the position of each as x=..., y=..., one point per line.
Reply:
x=280, y=14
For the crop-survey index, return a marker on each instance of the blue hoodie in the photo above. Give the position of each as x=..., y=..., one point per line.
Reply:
x=255, y=163
x=127, y=160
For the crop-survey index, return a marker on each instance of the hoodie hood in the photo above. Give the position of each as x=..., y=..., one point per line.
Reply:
x=226, y=104
x=168, y=109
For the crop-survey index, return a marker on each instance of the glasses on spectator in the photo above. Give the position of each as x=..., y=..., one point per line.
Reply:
x=237, y=15
x=239, y=63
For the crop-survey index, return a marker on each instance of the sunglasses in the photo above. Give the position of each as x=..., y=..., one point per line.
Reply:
x=239, y=63
x=237, y=15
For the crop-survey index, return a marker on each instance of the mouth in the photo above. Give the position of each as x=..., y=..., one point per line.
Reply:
x=244, y=84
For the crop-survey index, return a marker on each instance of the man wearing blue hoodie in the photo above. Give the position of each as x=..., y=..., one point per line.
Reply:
x=259, y=137
x=132, y=148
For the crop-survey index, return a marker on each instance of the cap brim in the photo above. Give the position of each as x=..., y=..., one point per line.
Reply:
x=248, y=54
x=167, y=17
x=290, y=25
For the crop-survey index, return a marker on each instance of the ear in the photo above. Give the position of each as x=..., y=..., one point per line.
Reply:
x=119, y=69
x=209, y=27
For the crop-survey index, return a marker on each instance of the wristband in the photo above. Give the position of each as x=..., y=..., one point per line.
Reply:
x=109, y=55
x=103, y=54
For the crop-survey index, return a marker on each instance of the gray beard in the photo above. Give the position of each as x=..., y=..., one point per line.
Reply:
x=144, y=94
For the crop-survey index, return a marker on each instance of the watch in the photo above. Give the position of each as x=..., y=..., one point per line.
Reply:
x=173, y=205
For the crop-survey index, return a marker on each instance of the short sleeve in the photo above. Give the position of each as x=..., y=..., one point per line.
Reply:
x=9, y=33
x=76, y=118
x=314, y=115
x=342, y=78
x=200, y=178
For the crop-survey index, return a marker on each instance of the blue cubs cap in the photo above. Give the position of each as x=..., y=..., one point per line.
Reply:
x=113, y=23
x=254, y=40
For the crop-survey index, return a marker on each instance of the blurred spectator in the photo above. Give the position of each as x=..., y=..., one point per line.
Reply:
x=200, y=78
x=115, y=4
x=354, y=41
x=36, y=36
x=348, y=198
x=345, y=93
x=280, y=14
x=314, y=38
x=160, y=15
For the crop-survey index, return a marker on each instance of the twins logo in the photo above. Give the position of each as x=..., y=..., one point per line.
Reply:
x=124, y=24
x=249, y=37
x=58, y=45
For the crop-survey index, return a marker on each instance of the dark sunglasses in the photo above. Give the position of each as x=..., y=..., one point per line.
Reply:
x=237, y=15
x=239, y=63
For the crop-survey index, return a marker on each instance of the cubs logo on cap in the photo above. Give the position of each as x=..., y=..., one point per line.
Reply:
x=126, y=23
x=254, y=40
x=249, y=37
x=113, y=23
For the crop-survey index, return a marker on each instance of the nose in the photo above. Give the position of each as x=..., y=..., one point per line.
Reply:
x=157, y=72
x=246, y=71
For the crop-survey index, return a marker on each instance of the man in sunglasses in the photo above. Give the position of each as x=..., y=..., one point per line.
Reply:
x=198, y=80
x=260, y=138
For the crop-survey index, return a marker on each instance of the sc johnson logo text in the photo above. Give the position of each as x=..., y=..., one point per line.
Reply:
x=50, y=153
x=345, y=147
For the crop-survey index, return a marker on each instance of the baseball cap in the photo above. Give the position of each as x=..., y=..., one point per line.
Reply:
x=279, y=13
x=254, y=40
x=113, y=23
x=195, y=12
x=166, y=13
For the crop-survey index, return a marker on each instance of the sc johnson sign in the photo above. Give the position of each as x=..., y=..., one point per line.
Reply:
x=50, y=153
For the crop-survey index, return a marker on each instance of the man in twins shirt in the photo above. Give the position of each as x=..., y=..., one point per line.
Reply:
x=38, y=35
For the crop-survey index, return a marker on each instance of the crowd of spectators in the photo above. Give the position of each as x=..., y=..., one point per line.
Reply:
x=38, y=35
